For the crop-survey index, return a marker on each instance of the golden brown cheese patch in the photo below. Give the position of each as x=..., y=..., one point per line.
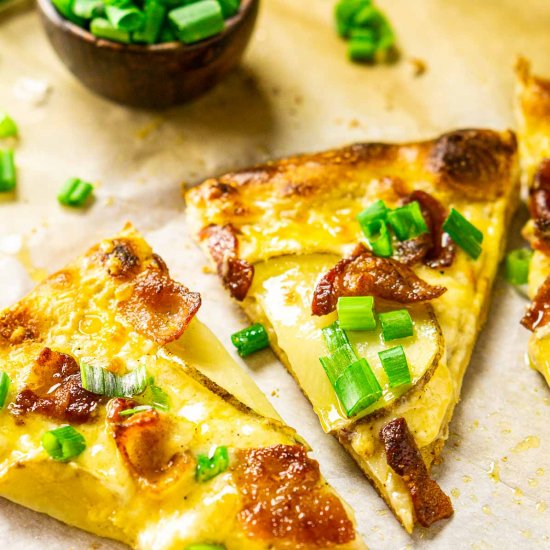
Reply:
x=285, y=499
x=18, y=325
x=121, y=258
x=535, y=94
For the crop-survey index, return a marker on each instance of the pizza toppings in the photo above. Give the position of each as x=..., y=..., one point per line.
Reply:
x=64, y=443
x=251, y=339
x=159, y=307
x=18, y=325
x=285, y=499
x=121, y=258
x=538, y=313
x=539, y=200
x=430, y=503
x=223, y=245
x=364, y=274
x=54, y=389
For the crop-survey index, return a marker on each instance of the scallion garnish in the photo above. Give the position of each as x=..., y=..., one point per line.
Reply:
x=337, y=362
x=63, y=443
x=135, y=410
x=205, y=546
x=211, y=466
x=396, y=324
x=356, y=312
x=357, y=387
x=517, y=266
x=8, y=177
x=394, y=362
x=8, y=128
x=103, y=382
x=251, y=339
x=4, y=388
x=407, y=221
x=379, y=239
x=195, y=22
x=464, y=233
x=374, y=212
x=155, y=397
x=75, y=192
x=334, y=337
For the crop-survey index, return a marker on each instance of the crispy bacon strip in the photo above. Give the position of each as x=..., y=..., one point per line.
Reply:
x=430, y=503
x=538, y=313
x=539, y=200
x=54, y=389
x=159, y=307
x=284, y=498
x=365, y=274
x=235, y=273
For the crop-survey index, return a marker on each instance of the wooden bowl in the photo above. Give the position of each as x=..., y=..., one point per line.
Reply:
x=155, y=76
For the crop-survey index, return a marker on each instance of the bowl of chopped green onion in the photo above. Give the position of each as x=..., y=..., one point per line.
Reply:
x=149, y=53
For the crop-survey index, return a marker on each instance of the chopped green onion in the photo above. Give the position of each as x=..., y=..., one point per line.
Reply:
x=4, y=388
x=8, y=128
x=88, y=9
x=251, y=339
x=75, y=192
x=345, y=12
x=135, y=410
x=166, y=35
x=517, y=266
x=464, y=234
x=229, y=7
x=65, y=8
x=408, y=221
x=125, y=17
x=396, y=324
x=198, y=21
x=337, y=362
x=394, y=362
x=103, y=29
x=334, y=337
x=376, y=211
x=362, y=46
x=63, y=443
x=209, y=467
x=205, y=546
x=154, y=396
x=357, y=387
x=103, y=382
x=8, y=177
x=356, y=312
x=154, y=19
x=379, y=239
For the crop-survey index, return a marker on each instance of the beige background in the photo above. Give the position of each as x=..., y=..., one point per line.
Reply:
x=294, y=92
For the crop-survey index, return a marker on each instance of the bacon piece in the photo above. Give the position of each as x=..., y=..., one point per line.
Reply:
x=539, y=200
x=284, y=498
x=145, y=442
x=121, y=259
x=538, y=313
x=223, y=245
x=54, y=389
x=430, y=503
x=159, y=307
x=364, y=274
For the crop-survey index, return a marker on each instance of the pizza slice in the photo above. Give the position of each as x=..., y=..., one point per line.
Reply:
x=533, y=108
x=112, y=420
x=287, y=244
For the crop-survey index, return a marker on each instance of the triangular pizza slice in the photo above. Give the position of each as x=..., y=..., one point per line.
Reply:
x=533, y=109
x=107, y=422
x=371, y=268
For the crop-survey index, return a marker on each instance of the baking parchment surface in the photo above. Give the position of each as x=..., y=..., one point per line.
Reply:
x=295, y=91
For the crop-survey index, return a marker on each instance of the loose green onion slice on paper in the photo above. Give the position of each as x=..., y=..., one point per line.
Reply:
x=135, y=410
x=8, y=128
x=464, y=233
x=198, y=21
x=356, y=312
x=394, y=362
x=357, y=387
x=205, y=546
x=396, y=324
x=407, y=221
x=75, y=193
x=209, y=467
x=517, y=266
x=63, y=443
x=102, y=28
x=379, y=239
x=4, y=388
x=344, y=13
x=103, y=382
x=251, y=339
x=8, y=177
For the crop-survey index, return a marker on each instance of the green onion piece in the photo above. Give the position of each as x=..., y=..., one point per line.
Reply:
x=229, y=7
x=8, y=128
x=337, y=362
x=356, y=312
x=197, y=21
x=464, y=234
x=209, y=467
x=167, y=35
x=408, y=221
x=517, y=266
x=88, y=9
x=138, y=409
x=63, y=443
x=376, y=211
x=379, y=239
x=357, y=387
x=103, y=29
x=205, y=546
x=75, y=193
x=125, y=18
x=65, y=8
x=103, y=382
x=154, y=19
x=251, y=339
x=345, y=12
x=4, y=388
x=8, y=177
x=394, y=362
x=362, y=45
x=153, y=396
x=396, y=324
x=335, y=337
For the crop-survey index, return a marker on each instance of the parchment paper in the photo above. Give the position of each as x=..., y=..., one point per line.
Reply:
x=294, y=92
